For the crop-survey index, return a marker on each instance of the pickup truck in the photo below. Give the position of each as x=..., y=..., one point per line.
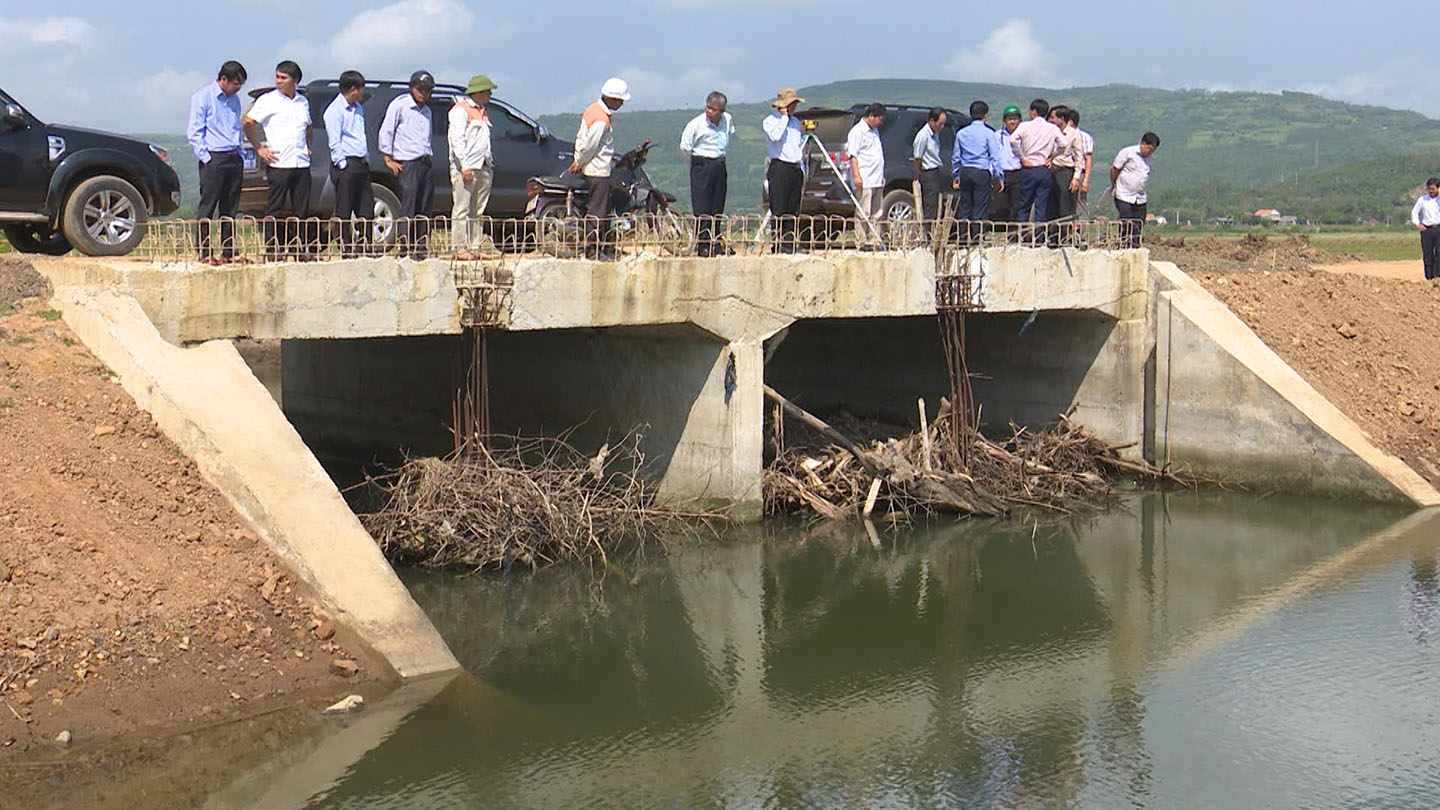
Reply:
x=64, y=187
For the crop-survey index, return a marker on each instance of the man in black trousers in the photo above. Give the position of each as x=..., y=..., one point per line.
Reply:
x=1426, y=217
x=704, y=142
x=284, y=114
x=213, y=131
x=349, y=164
x=784, y=143
x=405, y=146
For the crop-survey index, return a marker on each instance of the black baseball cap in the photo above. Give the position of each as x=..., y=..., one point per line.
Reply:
x=422, y=78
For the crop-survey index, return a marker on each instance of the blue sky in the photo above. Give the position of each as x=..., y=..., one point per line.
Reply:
x=110, y=65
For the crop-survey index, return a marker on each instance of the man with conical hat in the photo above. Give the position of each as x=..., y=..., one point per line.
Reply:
x=472, y=165
x=783, y=173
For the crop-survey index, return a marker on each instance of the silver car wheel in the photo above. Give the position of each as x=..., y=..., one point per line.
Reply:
x=109, y=217
x=384, y=223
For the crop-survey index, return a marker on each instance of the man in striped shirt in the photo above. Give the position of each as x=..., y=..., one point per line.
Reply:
x=1035, y=142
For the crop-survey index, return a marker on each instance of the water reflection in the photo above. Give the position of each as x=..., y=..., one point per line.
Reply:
x=1184, y=651
x=969, y=665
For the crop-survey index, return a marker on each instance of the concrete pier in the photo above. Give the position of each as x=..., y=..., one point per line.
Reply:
x=680, y=349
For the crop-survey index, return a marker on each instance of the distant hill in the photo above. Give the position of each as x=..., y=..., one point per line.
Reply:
x=1217, y=148
x=185, y=164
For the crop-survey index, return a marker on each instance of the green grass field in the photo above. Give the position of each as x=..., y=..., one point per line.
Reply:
x=1365, y=244
x=1376, y=246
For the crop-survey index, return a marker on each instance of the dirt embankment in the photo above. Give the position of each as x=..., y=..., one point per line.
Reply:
x=1196, y=254
x=131, y=593
x=1368, y=344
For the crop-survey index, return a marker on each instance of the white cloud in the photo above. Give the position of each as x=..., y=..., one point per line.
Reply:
x=402, y=28
x=1407, y=82
x=1010, y=54
x=49, y=30
x=164, y=95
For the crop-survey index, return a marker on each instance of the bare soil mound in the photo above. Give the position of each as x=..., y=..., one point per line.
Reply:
x=1249, y=253
x=18, y=280
x=1368, y=344
x=131, y=593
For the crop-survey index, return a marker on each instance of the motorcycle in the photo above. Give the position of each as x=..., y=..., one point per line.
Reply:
x=558, y=203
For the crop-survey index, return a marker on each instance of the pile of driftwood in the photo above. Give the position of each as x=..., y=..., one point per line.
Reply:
x=533, y=501
x=827, y=474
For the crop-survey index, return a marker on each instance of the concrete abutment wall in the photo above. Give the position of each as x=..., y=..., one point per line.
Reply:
x=682, y=347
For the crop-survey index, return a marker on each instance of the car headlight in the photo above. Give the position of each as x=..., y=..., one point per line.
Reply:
x=160, y=153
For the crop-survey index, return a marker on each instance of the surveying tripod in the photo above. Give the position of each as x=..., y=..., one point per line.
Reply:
x=810, y=136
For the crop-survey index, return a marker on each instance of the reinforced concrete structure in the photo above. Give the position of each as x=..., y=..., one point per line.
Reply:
x=681, y=347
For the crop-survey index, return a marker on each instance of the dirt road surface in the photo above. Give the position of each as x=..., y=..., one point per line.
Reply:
x=131, y=593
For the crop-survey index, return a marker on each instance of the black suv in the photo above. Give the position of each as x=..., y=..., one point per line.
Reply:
x=64, y=187
x=523, y=149
x=824, y=194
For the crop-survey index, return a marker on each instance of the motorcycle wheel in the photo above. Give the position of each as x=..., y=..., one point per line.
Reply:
x=554, y=233
x=675, y=235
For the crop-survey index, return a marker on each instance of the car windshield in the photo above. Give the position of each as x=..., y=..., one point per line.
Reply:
x=506, y=126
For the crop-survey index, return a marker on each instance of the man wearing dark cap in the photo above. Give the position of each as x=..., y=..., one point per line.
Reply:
x=405, y=146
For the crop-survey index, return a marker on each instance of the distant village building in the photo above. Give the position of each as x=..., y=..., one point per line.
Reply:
x=1274, y=217
x=1152, y=219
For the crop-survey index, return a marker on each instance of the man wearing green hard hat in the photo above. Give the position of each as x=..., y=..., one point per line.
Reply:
x=472, y=166
x=1006, y=201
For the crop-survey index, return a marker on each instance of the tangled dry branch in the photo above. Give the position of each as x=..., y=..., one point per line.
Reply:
x=530, y=500
x=1062, y=469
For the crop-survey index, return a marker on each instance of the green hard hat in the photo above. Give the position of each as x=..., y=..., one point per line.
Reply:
x=1009, y=111
x=479, y=82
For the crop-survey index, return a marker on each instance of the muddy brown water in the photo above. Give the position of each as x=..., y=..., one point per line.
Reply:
x=1184, y=650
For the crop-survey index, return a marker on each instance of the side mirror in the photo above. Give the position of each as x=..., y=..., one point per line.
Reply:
x=544, y=132
x=14, y=117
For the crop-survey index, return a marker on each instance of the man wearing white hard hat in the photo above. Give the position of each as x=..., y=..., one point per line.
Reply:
x=594, y=152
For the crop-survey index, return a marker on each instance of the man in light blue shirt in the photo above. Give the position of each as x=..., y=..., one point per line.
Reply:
x=405, y=146
x=213, y=131
x=975, y=164
x=925, y=150
x=349, y=164
x=704, y=142
x=1006, y=201
x=784, y=177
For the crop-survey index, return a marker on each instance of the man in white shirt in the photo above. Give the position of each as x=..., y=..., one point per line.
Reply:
x=1087, y=149
x=704, y=143
x=594, y=152
x=784, y=177
x=1426, y=217
x=867, y=165
x=472, y=165
x=284, y=114
x=1129, y=174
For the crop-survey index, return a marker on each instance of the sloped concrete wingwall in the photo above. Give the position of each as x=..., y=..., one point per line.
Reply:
x=1225, y=405
x=206, y=400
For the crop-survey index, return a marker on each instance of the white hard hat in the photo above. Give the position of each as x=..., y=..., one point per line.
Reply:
x=615, y=88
